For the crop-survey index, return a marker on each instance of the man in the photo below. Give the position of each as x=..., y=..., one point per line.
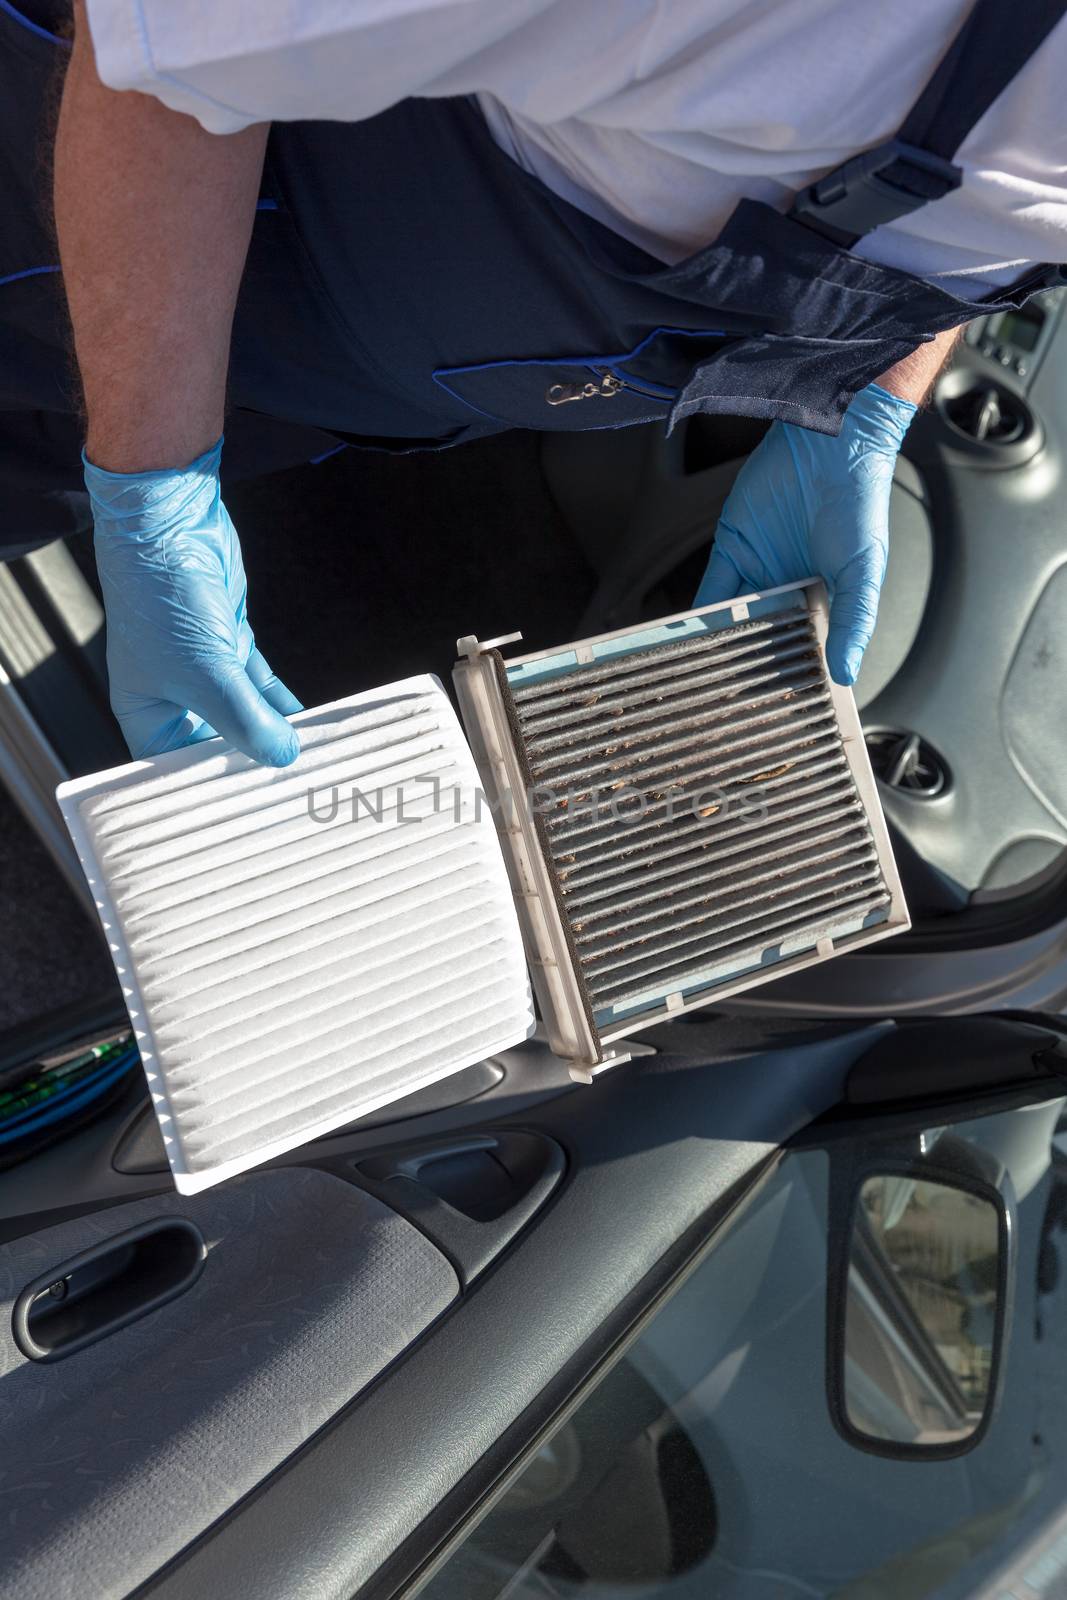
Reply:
x=479, y=214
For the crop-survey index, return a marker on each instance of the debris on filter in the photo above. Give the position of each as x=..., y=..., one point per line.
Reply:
x=772, y=772
x=672, y=903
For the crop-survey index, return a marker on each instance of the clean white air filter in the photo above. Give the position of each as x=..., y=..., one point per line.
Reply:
x=299, y=947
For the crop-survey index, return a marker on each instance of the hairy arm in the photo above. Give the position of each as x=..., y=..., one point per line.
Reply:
x=154, y=217
x=914, y=377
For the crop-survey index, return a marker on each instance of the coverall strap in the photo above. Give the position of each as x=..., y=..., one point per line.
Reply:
x=895, y=178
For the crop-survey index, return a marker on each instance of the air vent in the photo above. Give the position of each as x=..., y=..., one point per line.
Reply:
x=696, y=811
x=988, y=414
x=904, y=762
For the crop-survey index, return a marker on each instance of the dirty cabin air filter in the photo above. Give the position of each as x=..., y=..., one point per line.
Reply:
x=687, y=809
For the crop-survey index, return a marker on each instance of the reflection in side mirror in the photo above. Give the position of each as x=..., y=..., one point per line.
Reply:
x=922, y=1312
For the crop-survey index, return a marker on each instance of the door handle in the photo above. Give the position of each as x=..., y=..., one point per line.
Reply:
x=470, y=1194
x=99, y=1291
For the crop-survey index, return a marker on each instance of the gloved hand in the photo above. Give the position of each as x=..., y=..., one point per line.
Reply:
x=806, y=504
x=180, y=655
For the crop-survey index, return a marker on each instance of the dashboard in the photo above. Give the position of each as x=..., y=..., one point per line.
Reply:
x=969, y=659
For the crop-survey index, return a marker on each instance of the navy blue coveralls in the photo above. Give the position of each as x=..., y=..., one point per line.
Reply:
x=408, y=286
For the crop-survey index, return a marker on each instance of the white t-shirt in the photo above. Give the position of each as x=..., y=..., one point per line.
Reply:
x=655, y=116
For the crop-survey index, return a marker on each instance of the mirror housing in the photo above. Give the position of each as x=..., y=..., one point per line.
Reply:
x=920, y=1283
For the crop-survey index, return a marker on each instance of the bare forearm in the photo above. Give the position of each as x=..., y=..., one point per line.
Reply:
x=154, y=217
x=913, y=378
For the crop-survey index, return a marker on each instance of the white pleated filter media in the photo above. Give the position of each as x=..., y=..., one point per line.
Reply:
x=298, y=947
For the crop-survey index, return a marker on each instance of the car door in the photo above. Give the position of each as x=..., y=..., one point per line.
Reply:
x=389, y=1328
x=713, y=1461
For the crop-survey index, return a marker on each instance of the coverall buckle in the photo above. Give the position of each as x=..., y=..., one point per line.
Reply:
x=874, y=188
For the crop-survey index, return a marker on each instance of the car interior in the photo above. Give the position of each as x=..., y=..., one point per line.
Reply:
x=564, y=535
x=506, y=1293
x=479, y=1344
x=961, y=687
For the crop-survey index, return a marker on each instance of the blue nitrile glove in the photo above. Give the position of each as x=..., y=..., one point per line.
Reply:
x=809, y=505
x=181, y=657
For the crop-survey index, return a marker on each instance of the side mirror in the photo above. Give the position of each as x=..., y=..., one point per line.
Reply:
x=919, y=1301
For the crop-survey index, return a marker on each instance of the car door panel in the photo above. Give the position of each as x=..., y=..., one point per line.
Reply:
x=309, y=1289
x=657, y=1155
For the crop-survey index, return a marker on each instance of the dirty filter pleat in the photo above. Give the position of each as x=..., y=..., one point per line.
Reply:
x=698, y=809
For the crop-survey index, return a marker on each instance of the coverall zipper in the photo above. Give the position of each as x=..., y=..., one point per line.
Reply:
x=609, y=385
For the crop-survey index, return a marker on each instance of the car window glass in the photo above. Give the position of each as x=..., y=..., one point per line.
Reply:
x=707, y=1464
